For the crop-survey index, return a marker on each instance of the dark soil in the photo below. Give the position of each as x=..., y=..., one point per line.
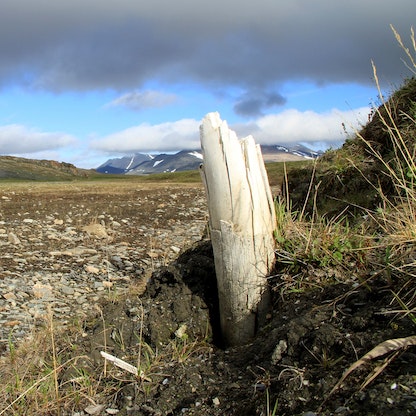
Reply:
x=293, y=362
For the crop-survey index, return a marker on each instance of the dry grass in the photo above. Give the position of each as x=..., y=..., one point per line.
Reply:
x=31, y=375
x=386, y=231
x=43, y=376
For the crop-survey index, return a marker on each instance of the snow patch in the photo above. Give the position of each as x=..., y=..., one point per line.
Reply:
x=196, y=154
x=129, y=165
x=282, y=149
x=157, y=163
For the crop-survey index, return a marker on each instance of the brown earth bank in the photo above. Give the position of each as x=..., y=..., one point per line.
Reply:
x=74, y=259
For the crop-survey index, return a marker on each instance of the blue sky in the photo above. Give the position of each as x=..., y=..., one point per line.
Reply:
x=81, y=82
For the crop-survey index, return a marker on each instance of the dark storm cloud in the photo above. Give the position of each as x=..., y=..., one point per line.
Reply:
x=254, y=103
x=78, y=45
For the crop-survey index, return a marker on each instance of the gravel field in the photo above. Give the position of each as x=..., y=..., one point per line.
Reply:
x=65, y=245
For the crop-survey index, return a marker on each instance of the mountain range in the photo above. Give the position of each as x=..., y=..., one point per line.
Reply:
x=144, y=164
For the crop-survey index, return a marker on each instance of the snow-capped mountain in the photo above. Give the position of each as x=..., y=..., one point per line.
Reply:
x=123, y=164
x=183, y=160
x=143, y=164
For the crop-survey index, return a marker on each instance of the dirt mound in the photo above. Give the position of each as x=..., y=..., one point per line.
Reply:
x=293, y=362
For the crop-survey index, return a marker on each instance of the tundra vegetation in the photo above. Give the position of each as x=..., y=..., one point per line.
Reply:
x=339, y=338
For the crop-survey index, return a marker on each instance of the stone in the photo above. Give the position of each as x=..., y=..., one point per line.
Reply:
x=92, y=269
x=67, y=290
x=181, y=331
x=278, y=352
x=9, y=295
x=13, y=239
x=95, y=230
x=111, y=411
x=41, y=290
x=94, y=409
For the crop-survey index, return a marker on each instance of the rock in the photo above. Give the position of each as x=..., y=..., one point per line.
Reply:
x=92, y=269
x=67, y=290
x=12, y=323
x=111, y=411
x=95, y=230
x=79, y=251
x=175, y=249
x=46, y=261
x=9, y=295
x=81, y=299
x=94, y=409
x=42, y=291
x=278, y=352
x=13, y=239
x=181, y=331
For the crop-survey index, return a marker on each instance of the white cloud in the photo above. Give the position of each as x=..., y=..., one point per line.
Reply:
x=18, y=139
x=141, y=100
x=170, y=136
x=293, y=126
x=290, y=126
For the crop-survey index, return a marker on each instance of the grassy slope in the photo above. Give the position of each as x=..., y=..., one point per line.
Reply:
x=363, y=171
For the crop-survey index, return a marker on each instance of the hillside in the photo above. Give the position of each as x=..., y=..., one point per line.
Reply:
x=365, y=169
x=39, y=170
